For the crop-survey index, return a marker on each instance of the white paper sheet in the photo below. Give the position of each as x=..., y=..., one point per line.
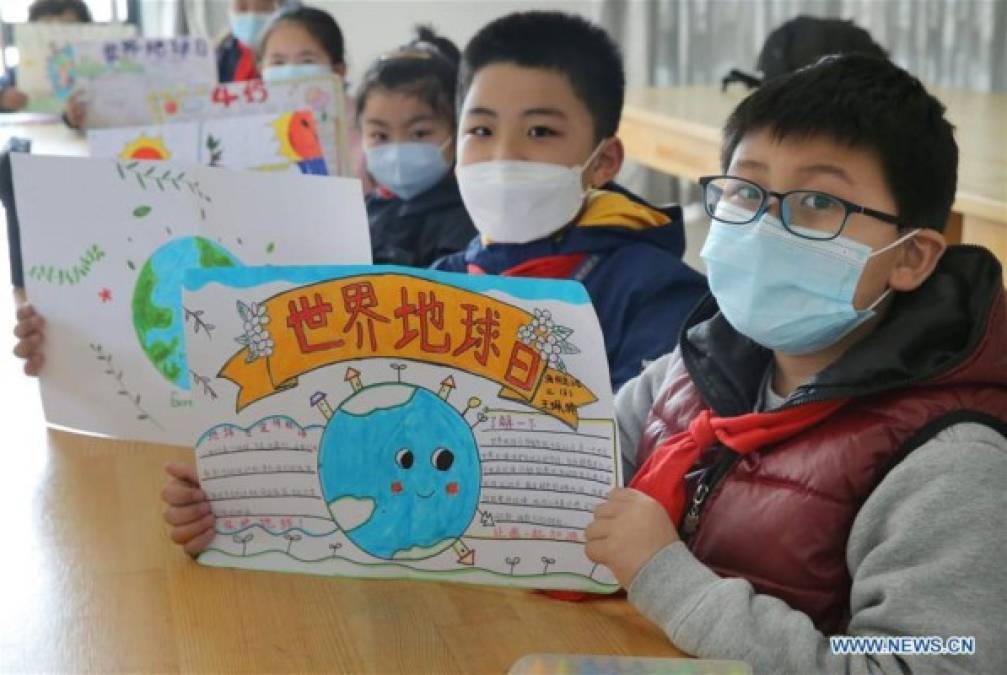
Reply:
x=105, y=244
x=388, y=422
x=286, y=141
x=46, y=60
x=111, y=105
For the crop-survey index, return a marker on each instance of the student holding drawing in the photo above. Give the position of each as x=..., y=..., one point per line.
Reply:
x=236, y=60
x=406, y=114
x=46, y=11
x=541, y=96
x=825, y=452
x=307, y=42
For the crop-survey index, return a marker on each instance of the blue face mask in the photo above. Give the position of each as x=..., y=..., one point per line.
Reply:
x=408, y=169
x=294, y=71
x=786, y=293
x=247, y=26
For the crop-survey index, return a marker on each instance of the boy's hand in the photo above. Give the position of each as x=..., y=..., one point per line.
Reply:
x=627, y=531
x=76, y=110
x=29, y=331
x=12, y=99
x=188, y=511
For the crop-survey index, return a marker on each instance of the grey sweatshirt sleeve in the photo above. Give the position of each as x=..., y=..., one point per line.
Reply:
x=927, y=556
x=632, y=405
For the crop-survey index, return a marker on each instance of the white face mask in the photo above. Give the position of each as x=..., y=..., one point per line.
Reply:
x=515, y=202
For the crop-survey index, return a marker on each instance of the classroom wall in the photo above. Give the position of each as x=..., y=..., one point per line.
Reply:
x=372, y=27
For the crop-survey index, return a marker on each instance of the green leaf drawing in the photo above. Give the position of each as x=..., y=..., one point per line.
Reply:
x=141, y=211
x=130, y=265
x=270, y=247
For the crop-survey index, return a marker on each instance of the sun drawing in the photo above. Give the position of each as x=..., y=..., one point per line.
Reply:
x=145, y=147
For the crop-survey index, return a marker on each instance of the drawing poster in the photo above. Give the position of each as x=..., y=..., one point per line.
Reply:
x=111, y=105
x=286, y=141
x=47, y=62
x=64, y=67
x=104, y=262
x=393, y=422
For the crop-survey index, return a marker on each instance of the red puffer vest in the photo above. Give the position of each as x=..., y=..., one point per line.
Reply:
x=781, y=517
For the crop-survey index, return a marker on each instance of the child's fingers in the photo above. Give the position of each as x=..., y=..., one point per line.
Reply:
x=182, y=515
x=23, y=329
x=183, y=534
x=200, y=542
x=606, y=510
x=24, y=312
x=33, y=364
x=26, y=347
x=596, y=531
x=182, y=471
x=179, y=493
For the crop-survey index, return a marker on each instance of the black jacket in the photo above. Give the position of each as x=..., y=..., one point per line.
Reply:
x=418, y=231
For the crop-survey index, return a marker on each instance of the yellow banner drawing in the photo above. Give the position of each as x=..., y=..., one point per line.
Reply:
x=402, y=317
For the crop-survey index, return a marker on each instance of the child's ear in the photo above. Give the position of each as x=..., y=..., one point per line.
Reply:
x=607, y=164
x=917, y=260
x=340, y=70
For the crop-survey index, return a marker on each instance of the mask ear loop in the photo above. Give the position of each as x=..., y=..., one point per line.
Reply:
x=897, y=242
x=590, y=158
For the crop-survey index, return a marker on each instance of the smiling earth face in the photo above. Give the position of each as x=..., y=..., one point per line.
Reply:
x=400, y=471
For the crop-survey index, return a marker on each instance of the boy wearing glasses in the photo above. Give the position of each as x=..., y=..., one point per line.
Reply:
x=825, y=451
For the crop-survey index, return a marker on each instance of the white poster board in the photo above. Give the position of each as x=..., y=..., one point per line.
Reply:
x=286, y=141
x=46, y=69
x=105, y=245
x=393, y=422
x=118, y=106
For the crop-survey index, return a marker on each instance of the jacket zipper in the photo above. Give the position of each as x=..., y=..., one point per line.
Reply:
x=706, y=485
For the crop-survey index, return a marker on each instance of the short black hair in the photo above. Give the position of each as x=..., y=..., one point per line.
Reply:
x=43, y=8
x=565, y=43
x=864, y=102
x=426, y=67
x=319, y=24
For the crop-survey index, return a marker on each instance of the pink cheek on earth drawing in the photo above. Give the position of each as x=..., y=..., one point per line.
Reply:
x=396, y=487
x=451, y=488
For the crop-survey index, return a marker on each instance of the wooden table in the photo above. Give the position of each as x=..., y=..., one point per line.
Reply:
x=90, y=582
x=677, y=130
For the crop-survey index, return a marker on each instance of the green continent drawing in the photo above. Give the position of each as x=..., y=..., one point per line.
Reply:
x=157, y=301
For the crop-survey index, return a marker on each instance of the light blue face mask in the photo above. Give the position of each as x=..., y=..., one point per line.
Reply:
x=294, y=71
x=786, y=293
x=247, y=26
x=408, y=169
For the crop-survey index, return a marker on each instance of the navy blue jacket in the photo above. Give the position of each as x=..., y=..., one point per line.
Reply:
x=632, y=268
x=418, y=231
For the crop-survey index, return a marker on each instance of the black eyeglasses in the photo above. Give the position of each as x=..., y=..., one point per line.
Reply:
x=804, y=213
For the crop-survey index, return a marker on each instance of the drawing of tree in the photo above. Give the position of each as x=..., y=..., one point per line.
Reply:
x=243, y=540
x=198, y=322
x=547, y=562
x=117, y=375
x=335, y=547
x=512, y=561
x=291, y=537
x=203, y=381
x=216, y=152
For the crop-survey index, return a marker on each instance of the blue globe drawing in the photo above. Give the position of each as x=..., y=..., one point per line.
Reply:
x=400, y=471
x=157, y=301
